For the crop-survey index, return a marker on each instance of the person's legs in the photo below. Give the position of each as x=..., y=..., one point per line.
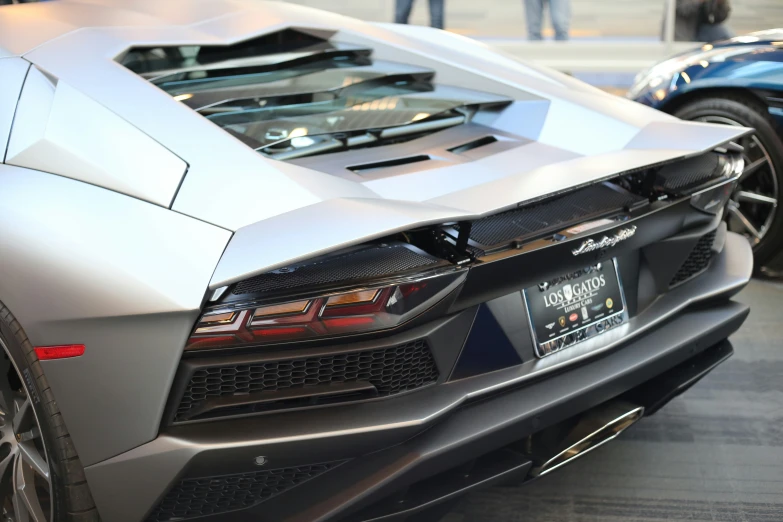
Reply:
x=534, y=12
x=713, y=33
x=436, y=13
x=560, y=11
x=402, y=11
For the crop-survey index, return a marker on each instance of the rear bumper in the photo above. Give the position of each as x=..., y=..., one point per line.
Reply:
x=385, y=447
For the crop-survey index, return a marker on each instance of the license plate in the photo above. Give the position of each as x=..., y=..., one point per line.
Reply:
x=569, y=309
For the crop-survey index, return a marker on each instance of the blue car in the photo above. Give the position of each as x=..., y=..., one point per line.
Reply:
x=734, y=82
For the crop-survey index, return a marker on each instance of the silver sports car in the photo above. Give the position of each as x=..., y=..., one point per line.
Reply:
x=261, y=262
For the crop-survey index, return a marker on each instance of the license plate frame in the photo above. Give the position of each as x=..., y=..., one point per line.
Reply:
x=553, y=326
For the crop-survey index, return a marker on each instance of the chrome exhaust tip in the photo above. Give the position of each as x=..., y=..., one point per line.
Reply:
x=595, y=428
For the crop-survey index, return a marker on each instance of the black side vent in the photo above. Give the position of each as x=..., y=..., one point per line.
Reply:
x=371, y=262
x=205, y=496
x=298, y=382
x=471, y=145
x=388, y=163
x=496, y=232
x=697, y=261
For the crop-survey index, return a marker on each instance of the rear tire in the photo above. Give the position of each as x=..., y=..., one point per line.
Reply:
x=768, y=179
x=70, y=499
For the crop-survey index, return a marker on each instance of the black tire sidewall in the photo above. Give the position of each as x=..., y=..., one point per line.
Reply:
x=749, y=113
x=25, y=362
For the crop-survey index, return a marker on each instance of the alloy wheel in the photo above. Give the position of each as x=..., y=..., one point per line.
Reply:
x=754, y=203
x=25, y=479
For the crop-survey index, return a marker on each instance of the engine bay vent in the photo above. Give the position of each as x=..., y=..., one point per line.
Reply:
x=389, y=163
x=296, y=93
x=472, y=145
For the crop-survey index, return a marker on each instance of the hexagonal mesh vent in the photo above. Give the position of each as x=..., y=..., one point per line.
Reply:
x=697, y=261
x=212, y=495
x=389, y=370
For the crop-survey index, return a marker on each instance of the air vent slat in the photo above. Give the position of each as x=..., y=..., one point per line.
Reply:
x=388, y=163
x=256, y=65
x=425, y=126
x=310, y=82
x=304, y=67
x=471, y=145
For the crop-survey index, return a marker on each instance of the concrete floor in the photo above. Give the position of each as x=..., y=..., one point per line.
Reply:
x=713, y=454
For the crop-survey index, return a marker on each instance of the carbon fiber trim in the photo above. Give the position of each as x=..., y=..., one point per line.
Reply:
x=372, y=262
x=575, y=207
x=690, y=172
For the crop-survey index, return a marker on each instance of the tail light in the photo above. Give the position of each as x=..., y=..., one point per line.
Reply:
x=339, y=312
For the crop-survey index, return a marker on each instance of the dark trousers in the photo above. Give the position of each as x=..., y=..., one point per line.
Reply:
x=403, y=11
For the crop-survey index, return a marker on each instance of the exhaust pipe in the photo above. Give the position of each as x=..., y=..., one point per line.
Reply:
x=593, y=429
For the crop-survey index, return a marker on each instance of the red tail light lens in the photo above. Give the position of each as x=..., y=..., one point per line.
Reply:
x=354, y=311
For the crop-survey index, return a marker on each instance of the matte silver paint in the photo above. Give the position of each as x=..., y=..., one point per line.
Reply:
x=126, y=278
x=147, y=470
x=58, y=129
x=12, y=74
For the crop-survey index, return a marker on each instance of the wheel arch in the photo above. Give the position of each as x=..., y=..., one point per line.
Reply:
x=756, y=96
x=696, y=93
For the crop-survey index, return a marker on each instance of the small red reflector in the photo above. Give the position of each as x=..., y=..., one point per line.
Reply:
x=46, y=353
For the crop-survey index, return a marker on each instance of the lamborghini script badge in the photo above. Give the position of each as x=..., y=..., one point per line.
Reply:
x=592, y=245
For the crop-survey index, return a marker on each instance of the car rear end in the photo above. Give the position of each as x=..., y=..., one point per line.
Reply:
x=445, y=269
x=377, y=381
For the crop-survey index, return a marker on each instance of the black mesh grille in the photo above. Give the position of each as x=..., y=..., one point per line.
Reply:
x=690, y=172
x=697, y=261
x=574, y=207
x=212, y=495
x=374, y=262
x=390, y=370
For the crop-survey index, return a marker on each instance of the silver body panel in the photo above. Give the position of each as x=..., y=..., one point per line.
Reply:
x=118, y=244
x=58, y=129
x=126, y=278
